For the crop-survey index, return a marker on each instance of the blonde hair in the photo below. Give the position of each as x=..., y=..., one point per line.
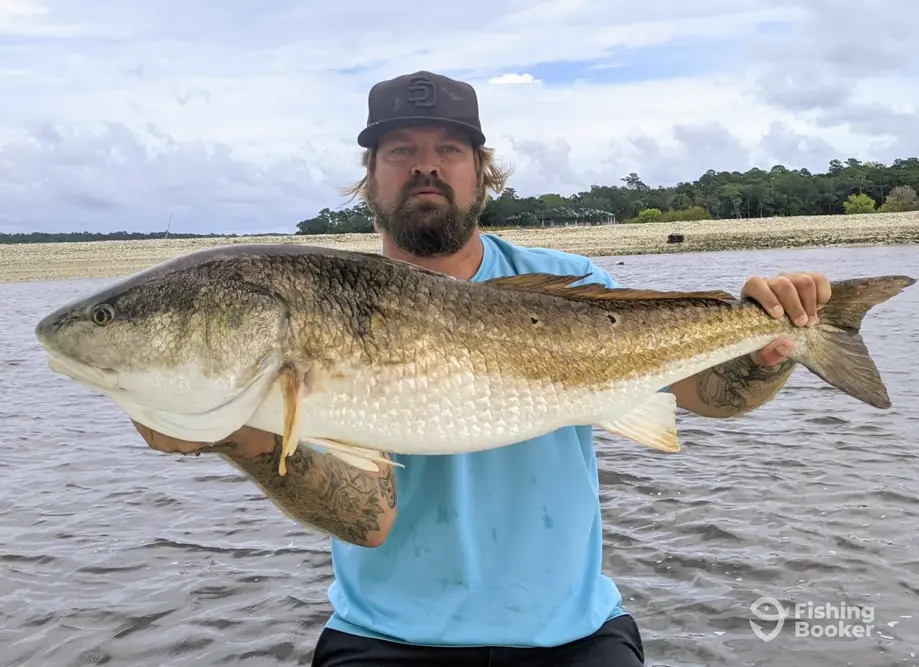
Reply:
x=491, y=176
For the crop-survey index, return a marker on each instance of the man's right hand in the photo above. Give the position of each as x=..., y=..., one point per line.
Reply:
x=249, y=442
x=323, y=492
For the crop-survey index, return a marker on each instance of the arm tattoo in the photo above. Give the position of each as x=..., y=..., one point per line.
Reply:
x=741, y=385
x=322, y=491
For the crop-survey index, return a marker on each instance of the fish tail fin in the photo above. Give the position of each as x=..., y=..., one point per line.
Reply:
x=834, y=350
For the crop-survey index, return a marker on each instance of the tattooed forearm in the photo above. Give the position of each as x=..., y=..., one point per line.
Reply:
x=740, y=385
x=324, y=492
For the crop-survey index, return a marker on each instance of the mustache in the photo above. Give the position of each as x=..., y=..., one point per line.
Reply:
x=426, y=181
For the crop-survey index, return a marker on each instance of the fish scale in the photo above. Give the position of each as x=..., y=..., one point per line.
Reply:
x=365, y=355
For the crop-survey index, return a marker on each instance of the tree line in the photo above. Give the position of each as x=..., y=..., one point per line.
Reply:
x=848, y=187
x=76, y=237
x=845, y=188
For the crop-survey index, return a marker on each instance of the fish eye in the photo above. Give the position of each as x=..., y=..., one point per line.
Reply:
x=102, y=314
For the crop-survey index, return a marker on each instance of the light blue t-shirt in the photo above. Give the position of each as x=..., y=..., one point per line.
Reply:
x=495, y=548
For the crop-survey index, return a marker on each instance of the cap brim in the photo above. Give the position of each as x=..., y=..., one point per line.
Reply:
x=371, y=134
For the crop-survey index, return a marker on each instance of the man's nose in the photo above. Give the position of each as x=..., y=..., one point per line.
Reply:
x=425, y=170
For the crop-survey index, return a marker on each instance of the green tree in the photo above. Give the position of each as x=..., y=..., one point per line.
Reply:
x=858, y=204
x=650, y=215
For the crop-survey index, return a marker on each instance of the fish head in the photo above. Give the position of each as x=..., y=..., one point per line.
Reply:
x=181, y=340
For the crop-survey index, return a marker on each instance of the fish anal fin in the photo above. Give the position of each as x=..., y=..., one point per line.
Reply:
x=653, y=423
x=556, y=285
x=354, y=455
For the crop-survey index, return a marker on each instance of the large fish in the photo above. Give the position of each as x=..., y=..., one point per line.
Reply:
x=360, y=354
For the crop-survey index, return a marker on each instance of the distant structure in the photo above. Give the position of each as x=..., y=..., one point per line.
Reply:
x=563, y=216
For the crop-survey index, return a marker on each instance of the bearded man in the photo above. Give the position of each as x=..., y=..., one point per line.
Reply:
x=493, y=557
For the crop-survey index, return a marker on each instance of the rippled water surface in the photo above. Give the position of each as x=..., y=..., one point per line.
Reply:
x=111, y=553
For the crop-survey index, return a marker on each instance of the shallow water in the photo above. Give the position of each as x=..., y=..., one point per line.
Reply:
x=111, y=553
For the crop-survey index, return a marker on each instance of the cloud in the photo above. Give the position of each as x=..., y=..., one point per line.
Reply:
x=512, y=79
x=231, y=117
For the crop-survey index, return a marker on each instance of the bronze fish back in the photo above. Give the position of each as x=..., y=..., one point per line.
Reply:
x=361, y=308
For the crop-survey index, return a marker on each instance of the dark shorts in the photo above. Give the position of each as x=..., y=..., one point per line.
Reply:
x=616, y=644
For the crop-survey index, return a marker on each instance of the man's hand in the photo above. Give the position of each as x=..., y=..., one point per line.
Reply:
x=799, y=295
x=744, y=384
x=246, y=442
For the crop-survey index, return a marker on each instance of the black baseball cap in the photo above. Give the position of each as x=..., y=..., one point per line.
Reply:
x=421, y=97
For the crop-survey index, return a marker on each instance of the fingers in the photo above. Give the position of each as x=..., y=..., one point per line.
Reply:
x=824, y=291
x=165, y=443
x=791, y=299
x=758, y=289
x=775, y=353
x=145, y=433
x=778, y=296
x=800, y=296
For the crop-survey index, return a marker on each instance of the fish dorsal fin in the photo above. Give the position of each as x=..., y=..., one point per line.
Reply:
x=547, y=283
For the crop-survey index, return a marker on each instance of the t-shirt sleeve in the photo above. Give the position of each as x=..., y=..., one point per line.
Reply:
x=598, y=275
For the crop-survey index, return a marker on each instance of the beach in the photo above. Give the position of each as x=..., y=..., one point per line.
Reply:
x=108, y=259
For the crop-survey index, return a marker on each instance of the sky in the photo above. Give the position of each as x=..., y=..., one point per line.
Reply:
x=241, y=116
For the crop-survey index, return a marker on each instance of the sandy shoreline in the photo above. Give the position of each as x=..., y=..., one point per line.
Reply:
x=107, y=259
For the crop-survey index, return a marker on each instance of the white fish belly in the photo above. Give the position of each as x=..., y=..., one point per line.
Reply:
x=180, y=403
x=463, y=412
x=422, y=410
x=184, y=403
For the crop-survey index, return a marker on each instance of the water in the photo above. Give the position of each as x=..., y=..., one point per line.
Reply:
x=111, y=553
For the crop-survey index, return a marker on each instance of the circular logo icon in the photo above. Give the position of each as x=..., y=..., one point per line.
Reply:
x=778, y=617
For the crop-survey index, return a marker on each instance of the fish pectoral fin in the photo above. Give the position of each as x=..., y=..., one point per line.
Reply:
x=293, y=389
x=296, y=383
x=653, y=423
x=359, y=457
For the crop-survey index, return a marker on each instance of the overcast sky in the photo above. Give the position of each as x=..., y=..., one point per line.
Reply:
x=241, y=116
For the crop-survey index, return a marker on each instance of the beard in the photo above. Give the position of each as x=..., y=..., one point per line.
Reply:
x=423, y=227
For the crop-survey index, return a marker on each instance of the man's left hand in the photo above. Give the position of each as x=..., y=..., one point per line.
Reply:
x=800, y=296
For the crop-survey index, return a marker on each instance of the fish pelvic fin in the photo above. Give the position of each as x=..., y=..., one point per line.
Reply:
x=834, y=350
x=556, y=285
x=354, y=455
x=653, y=423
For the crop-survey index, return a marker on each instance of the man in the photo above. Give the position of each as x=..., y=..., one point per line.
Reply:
x=494, y=558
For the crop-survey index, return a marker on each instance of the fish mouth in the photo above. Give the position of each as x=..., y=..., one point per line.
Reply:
x=104, y=378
